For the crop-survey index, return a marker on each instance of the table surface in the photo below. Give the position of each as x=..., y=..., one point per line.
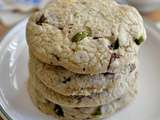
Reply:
x=153, y=16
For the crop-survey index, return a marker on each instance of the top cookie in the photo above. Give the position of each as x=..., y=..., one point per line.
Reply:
x=81, y=35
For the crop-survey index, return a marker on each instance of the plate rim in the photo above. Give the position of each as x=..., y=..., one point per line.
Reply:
x=4, y=115
x=4, y=42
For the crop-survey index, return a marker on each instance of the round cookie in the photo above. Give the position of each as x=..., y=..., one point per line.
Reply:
x=39, y=101
x=68, y=83
x=93, y=113
x=82, y=35
x=85, y=101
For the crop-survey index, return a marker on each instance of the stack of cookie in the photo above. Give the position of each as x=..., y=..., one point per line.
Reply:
x=81, y=68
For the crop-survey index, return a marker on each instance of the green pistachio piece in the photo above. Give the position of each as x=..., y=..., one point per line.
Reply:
x=58, y=110
x=139, y=40
x=98, y=112
x=79, y=36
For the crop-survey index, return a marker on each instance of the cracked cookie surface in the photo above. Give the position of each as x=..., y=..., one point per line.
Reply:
x=96, y=99
x=68, y=83
x=90, y=113
x=81, y=35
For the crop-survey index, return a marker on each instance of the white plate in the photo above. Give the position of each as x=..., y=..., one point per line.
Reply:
x=15, y=103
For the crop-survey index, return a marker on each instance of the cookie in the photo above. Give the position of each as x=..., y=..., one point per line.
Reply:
x=96, y=99
x=68, y=83
x=82, y=35
x=91, y=113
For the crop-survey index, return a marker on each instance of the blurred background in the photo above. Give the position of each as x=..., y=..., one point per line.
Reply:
x=12, y=11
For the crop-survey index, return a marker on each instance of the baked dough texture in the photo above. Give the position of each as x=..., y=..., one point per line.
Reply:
x=68, y=83
x=89, y=113
x=83, y=61
x=82, y=35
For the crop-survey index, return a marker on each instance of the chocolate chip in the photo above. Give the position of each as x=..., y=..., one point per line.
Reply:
x=108, y=73
x=96, y=37
x=61, y=28
x=57, y=57
x=81, y=89
x=77, y=108
x=114, y=45
x=58, y=110
x=67, y=80
x=41, y=20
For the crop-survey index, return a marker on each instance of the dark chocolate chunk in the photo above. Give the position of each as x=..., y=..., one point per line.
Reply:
x=57, y=57
x=109, y=73
x=61, y=28
x=96, y=37
x=58, y=110
x=41, y=20
x=115, y=45
x=66, y=80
